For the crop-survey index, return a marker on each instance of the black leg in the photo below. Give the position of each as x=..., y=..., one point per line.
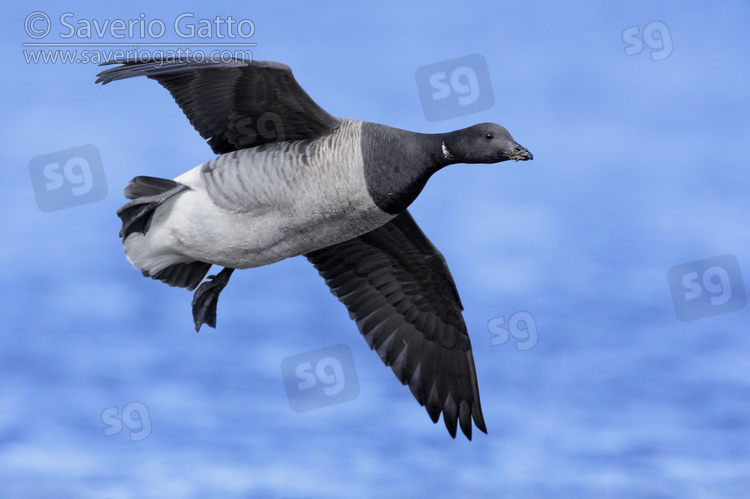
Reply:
x=206, y=298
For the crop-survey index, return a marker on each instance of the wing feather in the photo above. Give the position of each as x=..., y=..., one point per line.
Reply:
x=397, y=287
x=235, y=104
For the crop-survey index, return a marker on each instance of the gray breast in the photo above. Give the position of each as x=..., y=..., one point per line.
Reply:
x=313, y=190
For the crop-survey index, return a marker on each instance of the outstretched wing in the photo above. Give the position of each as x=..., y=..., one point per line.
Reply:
x=235, y=104
x=397, y=287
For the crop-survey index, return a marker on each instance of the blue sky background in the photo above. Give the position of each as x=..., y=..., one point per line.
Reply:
x=640, y=165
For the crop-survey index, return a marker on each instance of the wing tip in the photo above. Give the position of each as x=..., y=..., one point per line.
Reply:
x=463, y=418
x=130, y=67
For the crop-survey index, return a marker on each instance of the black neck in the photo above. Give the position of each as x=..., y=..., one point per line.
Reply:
x=398, y=164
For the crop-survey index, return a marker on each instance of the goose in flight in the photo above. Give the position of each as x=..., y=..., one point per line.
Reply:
x=290, y=179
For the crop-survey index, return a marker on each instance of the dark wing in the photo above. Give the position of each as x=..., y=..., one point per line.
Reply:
x=235, y=104
x=398, y=288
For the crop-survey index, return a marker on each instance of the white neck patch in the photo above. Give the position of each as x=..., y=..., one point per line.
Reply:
x=446, y=152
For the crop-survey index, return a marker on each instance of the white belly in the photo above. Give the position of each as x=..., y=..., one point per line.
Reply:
x=257, y=206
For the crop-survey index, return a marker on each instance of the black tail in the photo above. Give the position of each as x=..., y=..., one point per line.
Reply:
x=147, y=193
x=183, y=275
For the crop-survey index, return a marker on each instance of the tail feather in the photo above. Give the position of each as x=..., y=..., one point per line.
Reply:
x=146, y=195
x=184, y=275
x=148, y=186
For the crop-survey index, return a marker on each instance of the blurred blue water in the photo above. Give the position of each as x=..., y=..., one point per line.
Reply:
x=639, y=166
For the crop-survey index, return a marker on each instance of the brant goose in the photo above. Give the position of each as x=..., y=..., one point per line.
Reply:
x=290, y=179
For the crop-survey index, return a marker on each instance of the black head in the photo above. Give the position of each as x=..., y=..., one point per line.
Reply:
x=483, y=143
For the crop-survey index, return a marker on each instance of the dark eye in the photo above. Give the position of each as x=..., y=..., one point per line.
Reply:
x=489, y=136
